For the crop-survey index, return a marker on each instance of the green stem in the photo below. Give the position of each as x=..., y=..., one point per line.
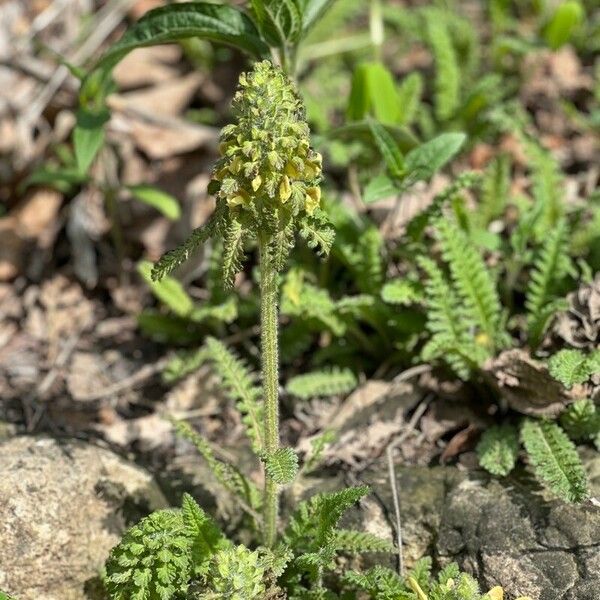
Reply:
x=270, y=381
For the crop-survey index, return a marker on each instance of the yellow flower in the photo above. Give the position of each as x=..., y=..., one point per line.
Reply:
x=285, y=189
x=256, y=182
x=313, y=199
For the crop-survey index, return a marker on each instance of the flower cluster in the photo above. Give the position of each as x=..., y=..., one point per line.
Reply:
x=268, y=168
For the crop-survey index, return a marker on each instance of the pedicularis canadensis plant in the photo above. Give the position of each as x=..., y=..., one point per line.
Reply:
x=267, y=188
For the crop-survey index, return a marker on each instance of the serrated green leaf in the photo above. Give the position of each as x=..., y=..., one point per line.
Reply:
x=225, y=312
x=205, y=535
x=167, y=329
x=581, y=420
x=326, y=382
x=402, y=292
x=498, y=449
x=282, y=465
x=555, y=459
x=163, y=202
x=571, y=367
x=61, y=179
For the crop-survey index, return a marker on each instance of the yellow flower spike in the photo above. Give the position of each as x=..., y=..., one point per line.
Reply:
x=256, y=182
x=496, y=593
x=285, y=189
x=313, y=199
x=416, y=588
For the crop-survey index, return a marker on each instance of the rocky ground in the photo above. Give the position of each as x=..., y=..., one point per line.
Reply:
x=64, y=503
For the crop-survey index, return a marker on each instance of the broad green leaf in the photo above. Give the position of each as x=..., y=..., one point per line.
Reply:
x=163, y=202
x=373, y=92
x=62, y=180
x=88, y=137
x=216, y=22
x=168, y=290
x=564, y=21
x=359, y=131
x=425, y=160
x=386, y=144
x=378, y=188
x=313, y=10
x=286, y=18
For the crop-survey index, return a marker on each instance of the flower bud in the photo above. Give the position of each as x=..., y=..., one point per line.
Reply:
x=267, y=151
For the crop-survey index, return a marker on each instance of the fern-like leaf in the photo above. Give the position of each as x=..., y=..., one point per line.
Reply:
x=581, y=420
x=314, y=521
x=447, y=74
x=282, y=465
x=235, y=573
x=233, y=252
x=571, y=367
x=495, y=189
x=464, y=181
x=498, y=449
x=555, y=459
x=402, y=292
x=226, y=474
x=318, y=233
x=550, y=266
x=152, y=561
x=281, y=246
x=450, y=337
x=240, y=384
x=205, y=536
x=381, y=583
x=480, y=301
x=409, y=97
x=172, y=259
x=357, y=542
x=326, y=382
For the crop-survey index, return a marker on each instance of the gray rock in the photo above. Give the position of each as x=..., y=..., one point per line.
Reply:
x=63, y=506
x=509, y=533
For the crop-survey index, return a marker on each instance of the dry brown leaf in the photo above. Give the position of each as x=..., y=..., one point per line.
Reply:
x=87, y=374
x=526, y=385
x=461, y=441
x=30, y=221
x=169, y=98
x=162, y=138
x=146, y=66
x=579, y=325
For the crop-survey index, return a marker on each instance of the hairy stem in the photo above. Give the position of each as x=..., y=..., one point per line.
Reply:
x=270, y=381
